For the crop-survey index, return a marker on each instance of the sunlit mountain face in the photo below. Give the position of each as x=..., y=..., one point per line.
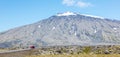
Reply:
x=64, y=29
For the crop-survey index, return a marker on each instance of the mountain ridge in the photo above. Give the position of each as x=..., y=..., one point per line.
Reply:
x=73, y=29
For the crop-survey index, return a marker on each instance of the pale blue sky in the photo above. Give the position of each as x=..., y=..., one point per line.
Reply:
x=15, y=13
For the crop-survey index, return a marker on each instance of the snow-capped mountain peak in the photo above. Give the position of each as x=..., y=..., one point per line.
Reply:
x=66, y=14
x=75, y=29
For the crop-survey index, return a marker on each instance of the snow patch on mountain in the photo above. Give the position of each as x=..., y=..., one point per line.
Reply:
x=93, y=16
x=39, y=26
x=115, y=28
x=53, y=28
x=95, y=31
x=66, y=14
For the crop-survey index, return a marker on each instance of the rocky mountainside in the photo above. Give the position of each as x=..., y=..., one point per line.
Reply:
x=64, y=29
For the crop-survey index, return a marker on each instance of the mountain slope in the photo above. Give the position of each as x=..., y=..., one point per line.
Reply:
x=64, y=29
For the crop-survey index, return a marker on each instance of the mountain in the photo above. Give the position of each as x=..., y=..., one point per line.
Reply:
x=64, y=29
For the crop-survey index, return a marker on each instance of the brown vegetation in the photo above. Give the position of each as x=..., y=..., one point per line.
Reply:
x=68, y=51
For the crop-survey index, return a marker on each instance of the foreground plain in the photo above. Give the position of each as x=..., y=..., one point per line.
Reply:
x=66, y=51
x=78, y=55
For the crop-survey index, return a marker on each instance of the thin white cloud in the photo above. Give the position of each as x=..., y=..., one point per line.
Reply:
x=68, y=2
x=77, y=3
x=83, y=4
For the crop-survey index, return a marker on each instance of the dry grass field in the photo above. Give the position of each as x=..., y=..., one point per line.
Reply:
x=3, y=50
x=60, y=55
x=78, y=55
x=67, y=51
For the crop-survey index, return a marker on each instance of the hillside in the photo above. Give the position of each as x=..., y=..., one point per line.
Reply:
x=64, y=29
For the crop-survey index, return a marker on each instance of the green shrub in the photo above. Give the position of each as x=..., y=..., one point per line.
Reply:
x=87, y=50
